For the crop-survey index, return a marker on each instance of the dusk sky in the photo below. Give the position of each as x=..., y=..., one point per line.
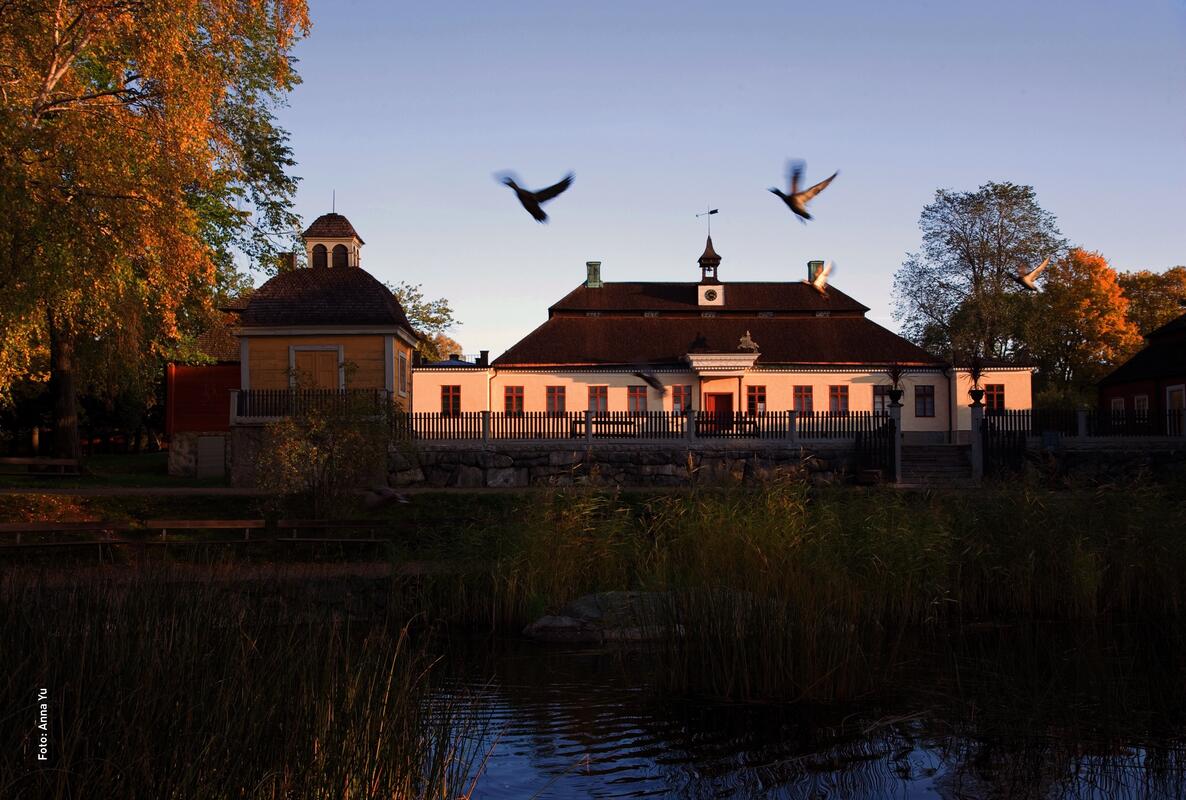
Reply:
x=660, y=108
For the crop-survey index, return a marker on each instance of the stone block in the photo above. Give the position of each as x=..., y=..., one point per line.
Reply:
x=506, y=477
x=469, y=477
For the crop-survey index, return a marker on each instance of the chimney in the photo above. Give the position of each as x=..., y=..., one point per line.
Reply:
x=813, y=269
x=593, y=278
x=483, y=358
x=455, y=356
x=287, y=262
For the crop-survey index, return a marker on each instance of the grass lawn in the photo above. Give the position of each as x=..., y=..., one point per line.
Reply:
x=149, y=470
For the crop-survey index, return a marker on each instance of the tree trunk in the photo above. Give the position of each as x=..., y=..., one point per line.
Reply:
x=61, y=381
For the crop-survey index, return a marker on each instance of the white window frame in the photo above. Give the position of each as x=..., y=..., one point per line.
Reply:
x=293, y=349
x=1137, y=401
x=1116, y=405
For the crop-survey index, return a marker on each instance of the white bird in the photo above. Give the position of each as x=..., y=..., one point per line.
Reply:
x=797, y=200
x=1027, y=279
x=820, y=284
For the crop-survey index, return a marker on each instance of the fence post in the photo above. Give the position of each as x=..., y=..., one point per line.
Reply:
x=485, y=427
x=1081, y=421
x=234, y=406
x=793, y=426
x=588, y=426
x=690, y=417
x=895, y=412
x=977, y=442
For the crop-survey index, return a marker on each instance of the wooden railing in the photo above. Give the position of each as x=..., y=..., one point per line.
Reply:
x=263, y=404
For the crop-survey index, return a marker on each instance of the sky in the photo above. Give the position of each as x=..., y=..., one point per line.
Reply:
x=407, y=110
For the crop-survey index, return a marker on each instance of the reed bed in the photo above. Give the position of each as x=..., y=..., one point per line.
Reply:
x=786, y=593
x=159, y=688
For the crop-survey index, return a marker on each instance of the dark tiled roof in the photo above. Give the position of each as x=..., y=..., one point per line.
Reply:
x=739, y=297
x=1174, y=326
x=1164, y=356
x=665, y=340
x=343, y=296
x=219, y=342
x=332, y=226
x=234, y=304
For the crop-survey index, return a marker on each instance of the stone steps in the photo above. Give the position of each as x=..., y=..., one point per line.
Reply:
x=936, y=465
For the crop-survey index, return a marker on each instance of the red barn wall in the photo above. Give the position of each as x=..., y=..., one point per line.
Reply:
x=199, y=398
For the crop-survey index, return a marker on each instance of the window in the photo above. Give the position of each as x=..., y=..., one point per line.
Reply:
x=1140, y=404
x=599, y=399
x=881, y=401
x=681, y=399
x=451, y=401
x=755, y=400
x=994, y=397
x=803, y=400
x=403, y=372
x=513, y=400
x=924, y=401
x=636, y=399
x=319, y=256
x=1117, y=405
x=838, y=399
x=340, y=256
x=555, y=399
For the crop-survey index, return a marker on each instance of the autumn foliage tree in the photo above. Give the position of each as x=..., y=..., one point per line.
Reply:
x=1154, y=298
x=1078, y=327
x=136, y=137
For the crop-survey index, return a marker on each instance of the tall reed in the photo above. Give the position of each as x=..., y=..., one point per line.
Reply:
x=164, y=689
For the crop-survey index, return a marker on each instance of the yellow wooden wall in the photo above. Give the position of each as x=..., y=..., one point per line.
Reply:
x=267, y=358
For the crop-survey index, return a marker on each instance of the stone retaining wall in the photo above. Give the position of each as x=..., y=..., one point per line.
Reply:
x=1111, y=459
x=519, y=464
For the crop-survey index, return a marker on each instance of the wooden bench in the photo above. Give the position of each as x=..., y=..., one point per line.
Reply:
x=166, y=525
x=17, y=530
x=43, y=466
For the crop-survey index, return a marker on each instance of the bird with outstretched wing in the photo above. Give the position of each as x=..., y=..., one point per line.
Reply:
x=532, y=201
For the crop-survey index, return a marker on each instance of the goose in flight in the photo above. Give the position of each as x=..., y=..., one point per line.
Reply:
x=797, y=199
x=820, y=284
x=1027, y=279
x=533, y=200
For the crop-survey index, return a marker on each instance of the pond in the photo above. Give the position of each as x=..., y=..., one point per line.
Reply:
x=1040, y=712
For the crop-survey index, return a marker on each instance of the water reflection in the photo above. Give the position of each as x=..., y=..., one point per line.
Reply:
x=1041, y=713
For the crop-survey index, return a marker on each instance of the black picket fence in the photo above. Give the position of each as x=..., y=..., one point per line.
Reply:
x=654, y=425
x=876, y=449
x=1038, y=422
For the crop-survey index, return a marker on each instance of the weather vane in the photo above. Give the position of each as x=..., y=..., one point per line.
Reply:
x=708, y=214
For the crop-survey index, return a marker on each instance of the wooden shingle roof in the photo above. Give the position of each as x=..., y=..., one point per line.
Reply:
x=332, y=226
x=309, y=297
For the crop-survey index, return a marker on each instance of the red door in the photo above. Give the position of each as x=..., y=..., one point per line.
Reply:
x=718, y=408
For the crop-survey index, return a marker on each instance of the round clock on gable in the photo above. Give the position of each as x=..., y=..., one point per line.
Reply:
x=710, y=294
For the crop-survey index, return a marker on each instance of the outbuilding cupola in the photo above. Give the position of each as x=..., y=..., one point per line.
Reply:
x=332, y=243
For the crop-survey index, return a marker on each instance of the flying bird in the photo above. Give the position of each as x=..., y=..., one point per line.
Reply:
x=820, y=283
x=797, y=200
x=533, y=200
x=650, y=379
x=1027, y=279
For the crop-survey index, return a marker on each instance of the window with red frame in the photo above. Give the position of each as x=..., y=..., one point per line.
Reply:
x=804, y=402
x=636, y=399
x=513, y=400
x=994, y=397
x=599, y=399
x=451, y=401
x=838, y=399
x=681, y=399
x=554, y=396
x=755, y=400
